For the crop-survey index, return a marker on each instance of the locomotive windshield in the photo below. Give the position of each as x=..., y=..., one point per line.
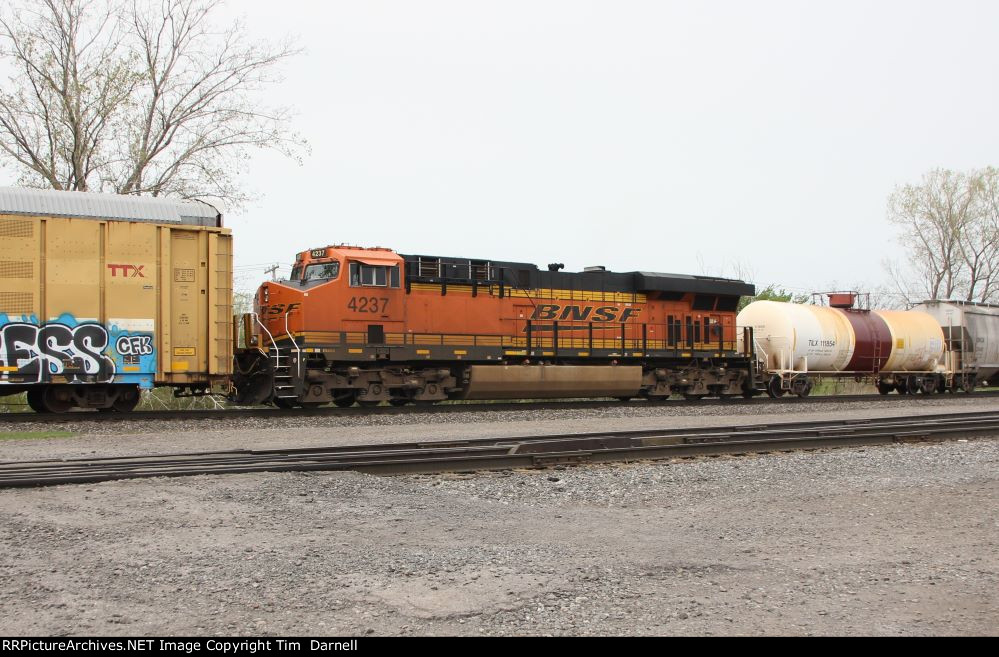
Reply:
x=325, y=271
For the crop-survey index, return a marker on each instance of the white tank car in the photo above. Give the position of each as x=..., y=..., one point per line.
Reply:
x=820, y=339
x=970, y=329
x=791, y=336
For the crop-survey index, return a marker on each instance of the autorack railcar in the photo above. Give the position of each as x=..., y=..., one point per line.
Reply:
x=103, y=295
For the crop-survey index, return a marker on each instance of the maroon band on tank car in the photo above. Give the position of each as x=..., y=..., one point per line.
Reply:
x=873, y=341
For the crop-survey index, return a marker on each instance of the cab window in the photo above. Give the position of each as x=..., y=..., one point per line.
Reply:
x=362, y=275
x=324, y=271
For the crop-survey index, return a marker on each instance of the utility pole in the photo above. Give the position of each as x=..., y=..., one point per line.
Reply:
x=272, y=271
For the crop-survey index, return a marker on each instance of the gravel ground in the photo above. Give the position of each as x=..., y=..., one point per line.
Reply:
x=889, y=540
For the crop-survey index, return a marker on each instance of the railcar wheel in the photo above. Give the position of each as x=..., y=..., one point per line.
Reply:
x=35, y=400
x=929, y=386
x=885, y=387
x=284, y=403
x=53, y=402
x=774, y=388
x=127, y=400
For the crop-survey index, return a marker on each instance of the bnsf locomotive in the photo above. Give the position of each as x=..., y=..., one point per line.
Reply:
x=368, y=325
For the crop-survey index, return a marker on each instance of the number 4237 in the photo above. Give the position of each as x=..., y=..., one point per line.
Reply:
x=368, y=304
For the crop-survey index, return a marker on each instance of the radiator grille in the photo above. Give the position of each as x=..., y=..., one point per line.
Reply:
x=17, y=303
x=16, y=269
x=17, y=228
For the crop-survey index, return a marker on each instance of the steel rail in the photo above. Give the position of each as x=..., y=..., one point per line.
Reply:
x=510, y=452
x=234, y=413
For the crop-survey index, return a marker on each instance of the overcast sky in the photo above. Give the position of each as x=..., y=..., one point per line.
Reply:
x=669, y=136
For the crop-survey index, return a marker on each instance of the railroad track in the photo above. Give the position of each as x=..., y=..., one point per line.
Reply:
x=234, y=413
x=512, y=452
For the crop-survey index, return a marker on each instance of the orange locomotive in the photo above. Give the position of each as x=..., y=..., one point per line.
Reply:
x=368, y=325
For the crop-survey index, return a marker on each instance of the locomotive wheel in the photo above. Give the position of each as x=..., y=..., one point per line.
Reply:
x=52, y=403
x=369, y=403
x=691, y=397
x=345, y=401
x=398, y=401
x=127, y=400
x=35, y=401
x=310, y=404
x=624, y=398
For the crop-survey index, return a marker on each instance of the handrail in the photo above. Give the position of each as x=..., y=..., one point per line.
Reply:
x=298, y=352
x=256, y=318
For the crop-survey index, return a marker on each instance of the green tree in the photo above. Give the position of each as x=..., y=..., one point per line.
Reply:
x=773, y=293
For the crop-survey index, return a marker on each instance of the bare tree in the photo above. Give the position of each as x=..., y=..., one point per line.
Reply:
x=136, y=97
x=932, y=216
x=980, y=239
x=950, y=229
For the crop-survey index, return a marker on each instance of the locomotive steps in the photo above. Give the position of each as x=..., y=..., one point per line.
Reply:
x=512, y=452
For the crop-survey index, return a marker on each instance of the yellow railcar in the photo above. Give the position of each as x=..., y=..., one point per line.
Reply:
x=104, y=295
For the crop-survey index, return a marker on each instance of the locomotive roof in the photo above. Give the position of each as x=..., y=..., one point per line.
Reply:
x=638, y=281
x=89, y=205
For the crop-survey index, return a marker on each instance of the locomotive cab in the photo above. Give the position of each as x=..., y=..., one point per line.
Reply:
x=336, y=294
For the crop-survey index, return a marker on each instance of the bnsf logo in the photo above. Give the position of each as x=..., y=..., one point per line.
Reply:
x=554, y=311
x=278, y=309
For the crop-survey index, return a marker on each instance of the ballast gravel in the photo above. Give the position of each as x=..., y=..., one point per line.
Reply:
x=132, y=437
x=900, y=540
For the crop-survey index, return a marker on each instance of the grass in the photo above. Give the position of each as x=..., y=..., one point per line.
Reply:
x=29, y=435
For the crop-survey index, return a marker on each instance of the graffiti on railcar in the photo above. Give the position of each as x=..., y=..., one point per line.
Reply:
x=77, y=351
